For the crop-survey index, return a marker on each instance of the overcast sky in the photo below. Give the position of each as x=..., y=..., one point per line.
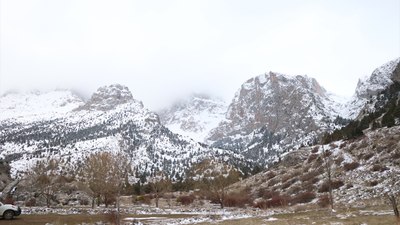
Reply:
x=164, y=49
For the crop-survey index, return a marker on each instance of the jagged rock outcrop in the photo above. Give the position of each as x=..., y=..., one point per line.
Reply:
x=273, y=113
x=108, y=97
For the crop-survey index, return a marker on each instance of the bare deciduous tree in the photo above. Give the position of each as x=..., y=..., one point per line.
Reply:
x=160, y=184
x=392, y=194
x=327, y=165
x=105, y=173
x=43, y=178
x=214, y=178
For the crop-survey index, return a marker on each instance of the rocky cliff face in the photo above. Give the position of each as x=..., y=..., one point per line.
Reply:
x=273, y=113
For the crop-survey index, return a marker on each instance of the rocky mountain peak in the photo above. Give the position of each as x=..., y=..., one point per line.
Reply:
x=272, y=90
x=367, y=87
x=108, y=97
x=272, y=113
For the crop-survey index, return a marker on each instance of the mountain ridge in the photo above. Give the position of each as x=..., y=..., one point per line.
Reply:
x=125, y=126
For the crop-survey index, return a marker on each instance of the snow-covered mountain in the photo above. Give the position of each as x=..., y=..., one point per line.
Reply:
x=194, y=116
x=63, y=127
x=364, y=98
x=37, y=105
x=270, y=114
x=273, y=113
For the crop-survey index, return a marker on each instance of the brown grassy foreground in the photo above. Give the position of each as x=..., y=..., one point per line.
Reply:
x=369, y=215
x=56, y=219
x=318, y=217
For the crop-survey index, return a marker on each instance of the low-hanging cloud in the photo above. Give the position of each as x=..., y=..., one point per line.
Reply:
x=163, y=50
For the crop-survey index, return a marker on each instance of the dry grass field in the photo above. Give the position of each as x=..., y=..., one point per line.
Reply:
x=376, y=215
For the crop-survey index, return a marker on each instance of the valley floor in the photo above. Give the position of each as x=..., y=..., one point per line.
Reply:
x=152, y=216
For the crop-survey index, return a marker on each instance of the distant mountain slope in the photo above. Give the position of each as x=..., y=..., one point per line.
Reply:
x=37, y=105
x=195, y=116
x=112, y=120
x=273, y=113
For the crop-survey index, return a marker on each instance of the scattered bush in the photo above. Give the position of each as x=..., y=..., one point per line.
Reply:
x=325, y=186
x=237, y=200
x=144, y=199
x=294, y=189
x=306, y=169
x=395, y=155
x=276, y=200
x=30, y=202
x=339, y=160
x=351, y=166
x=84, y=201
x=285, y=178
x=318, y=162
x=327, y=153
x=373, y=183
x=267, y=193
x=363, y=144
x=343, y=145
x=303, y=197
x=310, y=175
x=185, y=199
x=315, y=149
x=337, y=184
x=289, y=183
x=260, y=204
x=111, y=199
x=309, y=185
x=378, y=167
x=324, y=201
x=315, y=180
x=296, y=173
x=368, y=156
x=270, y=175
x=312, y=157
x=333, y=145
x=273, y=181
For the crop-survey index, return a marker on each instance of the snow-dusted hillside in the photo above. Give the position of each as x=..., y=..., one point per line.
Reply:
x=273, y=113
x=363, y=168
x=195, y=116
x=112, y=120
